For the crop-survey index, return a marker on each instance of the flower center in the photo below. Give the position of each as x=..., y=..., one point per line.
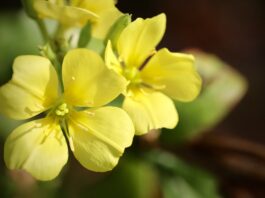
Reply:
x=62, y=110
x=132, y=74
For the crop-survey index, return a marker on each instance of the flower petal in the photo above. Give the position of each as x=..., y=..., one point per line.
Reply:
x=111, y=59
x=100, y=136
x=37, y=147
x=67, y=15
x=105, y=21
x=105, y=10
x=88, y=81
x=32, y=89
x=98, y=6
x=139, y=39
x=150, y=110
x=175, y=73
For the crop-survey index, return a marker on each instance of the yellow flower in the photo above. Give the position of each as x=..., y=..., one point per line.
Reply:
x=96, y=135
x=102, y=13
x=153, y=76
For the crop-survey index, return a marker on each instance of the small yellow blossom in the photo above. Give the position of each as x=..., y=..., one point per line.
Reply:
x=97, y=135
x=102, y=13
x=153, y=76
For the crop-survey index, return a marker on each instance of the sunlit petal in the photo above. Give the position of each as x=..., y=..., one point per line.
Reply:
x=111, y=59
x=106, y=11
x=32, y=89
x=105, y=21
x=98, y=6
x=139, y=39
x=150, y=110
x=37, y=147
x=67, y=15
x=100, y=136
x=88, y=81
x=174, y=73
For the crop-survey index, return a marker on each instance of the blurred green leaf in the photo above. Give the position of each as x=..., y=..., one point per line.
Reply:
x=178, y=188
x=28, y=6
x=117, y=28
x=7, y=188
x=85, y=35
x=180, y=180
x=18, y=36
x=7, y=125
x=96, y=45
x=223, y=88
x=131, y=179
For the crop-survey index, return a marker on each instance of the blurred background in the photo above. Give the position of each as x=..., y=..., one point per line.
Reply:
x=230, y=147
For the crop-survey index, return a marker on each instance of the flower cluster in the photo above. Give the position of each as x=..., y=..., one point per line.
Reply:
x=67, y=91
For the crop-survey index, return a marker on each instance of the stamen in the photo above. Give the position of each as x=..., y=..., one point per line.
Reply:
x=62, y=110
x=38, y=125
x=59, y=113
x=90, y=113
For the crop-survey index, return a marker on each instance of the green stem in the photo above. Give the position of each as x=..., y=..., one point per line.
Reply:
x=48, y=51
x=57, y=65
x=43, y=30
x=61, y=42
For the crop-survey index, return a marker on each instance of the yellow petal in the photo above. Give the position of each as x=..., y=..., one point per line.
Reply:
x=32, y=89
x=37, y=147
x=174, y=73
x=139, y=39
x=97, y=6
x=87, y=80
x=111, y=59
x=105, y=21
x=150, y=110
x=100, y=136
x=106, y=11
x=67, y=15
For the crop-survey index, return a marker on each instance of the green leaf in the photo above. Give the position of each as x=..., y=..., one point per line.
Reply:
x=178, y=188
x=117, y=28
x=7, y=125
x=132, y=178
x=180, y=180
x=18, y=35
x=223, y=88
x=99, y=45
x=29, y=9
x=96, y=45
x=85, y=35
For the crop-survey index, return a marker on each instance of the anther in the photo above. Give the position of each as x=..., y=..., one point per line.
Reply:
x=62, y=107
x=62, y=110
